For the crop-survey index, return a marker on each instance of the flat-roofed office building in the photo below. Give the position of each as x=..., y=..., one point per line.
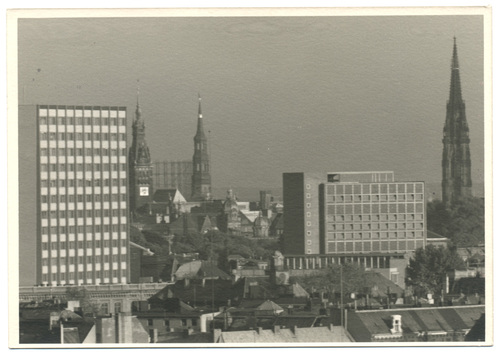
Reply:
x=363, y=216
x=81, y=194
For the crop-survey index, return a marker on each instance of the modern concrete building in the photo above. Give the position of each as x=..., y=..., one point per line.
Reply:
x=81, y=191
x=367, y=216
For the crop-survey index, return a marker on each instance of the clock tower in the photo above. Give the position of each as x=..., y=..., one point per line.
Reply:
x=140, y=166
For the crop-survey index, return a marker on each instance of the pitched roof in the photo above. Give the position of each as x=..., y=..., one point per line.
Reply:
x=200, y=269
x=305, y=321
x=197, y=293
x=250, y=215
x=296, y=335
x=416, y=320
x=380, y=285
x=269, y=306
x=277, y=222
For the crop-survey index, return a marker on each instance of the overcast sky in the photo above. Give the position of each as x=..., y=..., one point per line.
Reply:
x=279, y=94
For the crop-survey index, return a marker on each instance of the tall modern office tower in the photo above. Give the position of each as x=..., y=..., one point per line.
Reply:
x=201, y=178
x=140, y=164
x=81, y=194
x=456, y=161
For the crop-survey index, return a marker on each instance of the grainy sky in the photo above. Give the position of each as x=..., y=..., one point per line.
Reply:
x=279, y=94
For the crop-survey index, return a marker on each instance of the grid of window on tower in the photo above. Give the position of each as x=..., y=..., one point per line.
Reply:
x=83, y=195
x=388, y=217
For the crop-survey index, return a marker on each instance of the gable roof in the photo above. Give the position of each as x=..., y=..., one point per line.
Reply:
x=380, y=285
x=269, y=306
x=277, y=222
x=296, y=335
x=199, y=269
x=416, y=320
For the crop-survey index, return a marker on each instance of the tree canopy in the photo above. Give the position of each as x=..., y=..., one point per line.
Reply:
x=329, y=280
x=463, y=221
x=428, y=267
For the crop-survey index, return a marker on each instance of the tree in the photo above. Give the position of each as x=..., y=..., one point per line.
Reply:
x=463, y=221
x=428, y=267
x=329, y=280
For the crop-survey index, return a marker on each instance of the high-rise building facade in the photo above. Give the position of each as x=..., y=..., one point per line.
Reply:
x=201, y=178
x=362, y=214
x=456, y=160
x=141, y=189
x=82, y=195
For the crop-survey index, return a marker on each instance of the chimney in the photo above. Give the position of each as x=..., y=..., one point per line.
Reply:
x=276, y=329
x=294, y=328
x=396, y=324
x=259, y=330
x=186, y=282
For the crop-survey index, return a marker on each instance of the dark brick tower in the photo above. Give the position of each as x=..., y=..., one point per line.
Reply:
x=140, y=168
x=456, y=162
x=201, y=178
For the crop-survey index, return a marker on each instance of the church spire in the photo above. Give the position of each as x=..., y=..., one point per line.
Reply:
x=138, y=111
x=456, y=161
x=455, y=83
x=200, y=130
x=201, y=178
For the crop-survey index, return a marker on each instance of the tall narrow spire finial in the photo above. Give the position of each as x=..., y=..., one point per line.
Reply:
x=137, y=110
x=455, y=62
x=200, y=114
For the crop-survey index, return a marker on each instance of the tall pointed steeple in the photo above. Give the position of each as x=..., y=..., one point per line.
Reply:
x=140, y=163
x=456, y=161
x=201, y=178
x=200, y=130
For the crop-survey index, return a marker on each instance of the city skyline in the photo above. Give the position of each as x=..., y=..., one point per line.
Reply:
x=274, y=89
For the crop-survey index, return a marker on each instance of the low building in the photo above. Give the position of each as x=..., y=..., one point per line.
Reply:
x=433, y=324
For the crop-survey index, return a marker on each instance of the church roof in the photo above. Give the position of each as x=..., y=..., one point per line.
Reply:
x=164, y=196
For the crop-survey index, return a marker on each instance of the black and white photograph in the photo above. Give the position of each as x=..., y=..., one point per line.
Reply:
x=250, y=177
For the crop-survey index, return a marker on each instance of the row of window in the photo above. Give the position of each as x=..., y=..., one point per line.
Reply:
x=374, y=246
x=81, y=275
x=376, y=226
x=376, y=198
x=167, y=323
x=204, y=166
x=82, y=136
x=94, y=121
x=79, y=167
x=97, y=182
x=375, y=208
x=378, y=217
x=83, y=198
x=85, y=244
x=376, y=235
x=375, y=188
x=71, y=152
x=89, y=213
x=89, y=259
x=104, y=228
x=366, y=261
